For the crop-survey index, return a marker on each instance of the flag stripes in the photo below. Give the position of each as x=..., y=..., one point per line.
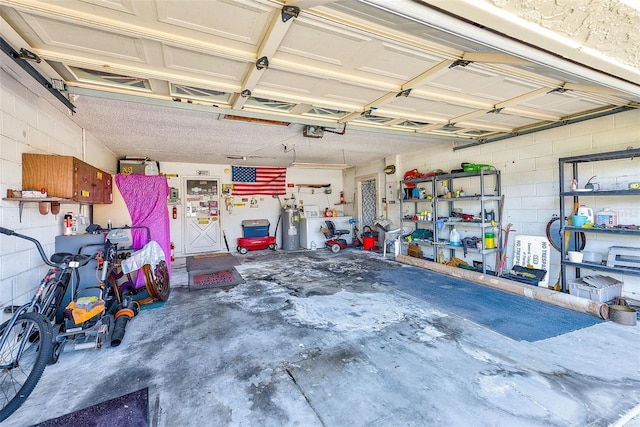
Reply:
x=268, y=181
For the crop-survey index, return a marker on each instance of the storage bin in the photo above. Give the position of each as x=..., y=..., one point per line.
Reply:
x=255, y=228
x=600, y=293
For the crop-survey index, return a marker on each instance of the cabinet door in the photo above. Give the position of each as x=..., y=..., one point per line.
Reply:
x=106, y=182
x=66, y=177
x=86, y=185
x=53, y=173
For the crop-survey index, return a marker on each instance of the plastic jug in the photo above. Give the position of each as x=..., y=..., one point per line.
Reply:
x=586, y=211
x=454, y=238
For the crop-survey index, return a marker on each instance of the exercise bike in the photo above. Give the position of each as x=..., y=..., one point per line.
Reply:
x=335, y=242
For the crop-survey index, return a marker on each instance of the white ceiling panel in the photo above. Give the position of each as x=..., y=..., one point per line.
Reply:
x=201, y=64
x=242, y=22
x=126, y=6
x=504, y=119
x=172, y=70
x=81, y=39
x=337, y=47
x=563, y=104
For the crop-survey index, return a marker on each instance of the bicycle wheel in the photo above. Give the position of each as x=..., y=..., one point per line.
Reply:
x=23, y=357
x=157, y=281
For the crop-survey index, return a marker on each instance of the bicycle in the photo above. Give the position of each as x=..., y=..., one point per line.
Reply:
x=26, y=339
x=36, y=334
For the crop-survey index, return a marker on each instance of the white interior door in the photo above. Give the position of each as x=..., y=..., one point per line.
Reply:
x=202, y=215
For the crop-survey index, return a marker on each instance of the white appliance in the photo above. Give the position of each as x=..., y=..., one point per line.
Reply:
x=310, y=211
x=310, y=235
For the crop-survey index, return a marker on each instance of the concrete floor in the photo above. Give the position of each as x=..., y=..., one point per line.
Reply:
x=310, y=340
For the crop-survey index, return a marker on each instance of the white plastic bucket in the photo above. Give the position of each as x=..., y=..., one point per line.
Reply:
x=575, y=256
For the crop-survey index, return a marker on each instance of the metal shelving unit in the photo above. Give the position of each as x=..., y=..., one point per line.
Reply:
x=573, y=164
x=444, y=208
x=417, y=206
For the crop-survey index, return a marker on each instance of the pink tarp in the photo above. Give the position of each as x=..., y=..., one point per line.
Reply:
x=146, y=200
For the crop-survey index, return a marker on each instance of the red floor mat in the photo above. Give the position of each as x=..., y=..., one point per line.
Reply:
x=204, y=279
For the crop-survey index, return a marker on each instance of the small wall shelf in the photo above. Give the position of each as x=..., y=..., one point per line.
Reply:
x=49, y=200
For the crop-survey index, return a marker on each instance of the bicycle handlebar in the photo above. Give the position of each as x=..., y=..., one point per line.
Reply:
x=32, y=240
x=7, y=231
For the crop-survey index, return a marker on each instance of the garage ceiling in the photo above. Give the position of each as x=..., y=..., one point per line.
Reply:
x=235, y=82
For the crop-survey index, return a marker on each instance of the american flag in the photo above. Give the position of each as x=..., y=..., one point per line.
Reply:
x=266, y=181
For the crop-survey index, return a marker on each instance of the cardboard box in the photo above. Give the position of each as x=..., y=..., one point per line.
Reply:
x=138, y=166
x=415, y=251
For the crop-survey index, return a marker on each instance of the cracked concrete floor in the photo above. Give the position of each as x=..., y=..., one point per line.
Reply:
x=311, y=340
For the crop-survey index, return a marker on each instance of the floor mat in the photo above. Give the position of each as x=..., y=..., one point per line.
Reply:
x=218, y=260
x=204, y=279
x=517, y=317
x=129, y=410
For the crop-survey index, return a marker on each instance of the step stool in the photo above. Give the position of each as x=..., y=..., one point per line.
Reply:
x=623, y=256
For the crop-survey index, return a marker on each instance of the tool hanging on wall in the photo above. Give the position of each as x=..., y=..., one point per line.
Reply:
x=228, y=203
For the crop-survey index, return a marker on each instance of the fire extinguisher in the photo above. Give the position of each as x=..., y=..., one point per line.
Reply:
x=172, y=247
x=175, y=212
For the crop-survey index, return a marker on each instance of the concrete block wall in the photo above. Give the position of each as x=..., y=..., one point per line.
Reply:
x=529, y=169
x=32, y=120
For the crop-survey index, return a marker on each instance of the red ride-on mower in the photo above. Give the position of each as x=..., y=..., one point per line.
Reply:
x=334, y=240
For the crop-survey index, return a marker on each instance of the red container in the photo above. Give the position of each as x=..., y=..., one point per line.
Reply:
x=369, y=243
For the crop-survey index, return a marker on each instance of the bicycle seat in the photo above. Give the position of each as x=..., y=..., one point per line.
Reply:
x=66, y=257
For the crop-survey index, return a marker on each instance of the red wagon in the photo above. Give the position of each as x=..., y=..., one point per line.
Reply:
x=246, y=244
x=256, y=237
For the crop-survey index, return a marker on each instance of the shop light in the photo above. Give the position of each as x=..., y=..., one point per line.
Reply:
x=319, y=165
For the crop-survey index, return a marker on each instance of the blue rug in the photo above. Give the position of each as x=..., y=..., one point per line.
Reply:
x=517, y=317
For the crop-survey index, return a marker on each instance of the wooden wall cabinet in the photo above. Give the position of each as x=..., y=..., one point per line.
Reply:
x=66, y=177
